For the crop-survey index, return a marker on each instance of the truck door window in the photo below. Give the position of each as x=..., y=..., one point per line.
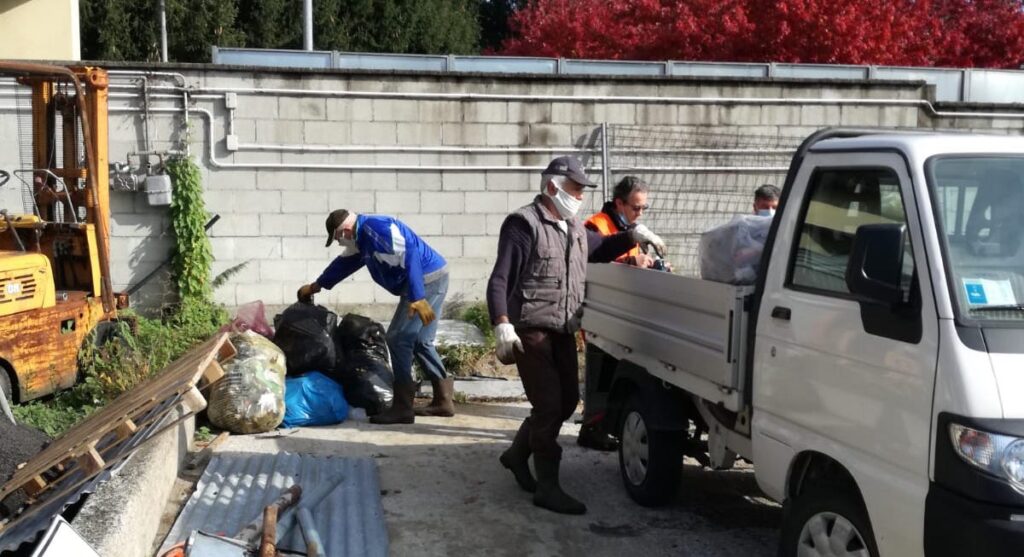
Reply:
x=839, y=201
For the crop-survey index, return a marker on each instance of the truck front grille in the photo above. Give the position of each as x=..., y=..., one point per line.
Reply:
x=26, y=292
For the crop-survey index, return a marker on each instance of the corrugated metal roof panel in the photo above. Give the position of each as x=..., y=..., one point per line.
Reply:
x=235, y=488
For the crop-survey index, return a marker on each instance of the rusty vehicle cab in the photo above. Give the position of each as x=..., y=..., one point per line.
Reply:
x=55, y=288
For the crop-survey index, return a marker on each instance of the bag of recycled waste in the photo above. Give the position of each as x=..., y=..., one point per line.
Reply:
x=364, y=370
x=250, y=396
x=732, y=252
x=304, y=334
x=250, y=317
x=313, y=399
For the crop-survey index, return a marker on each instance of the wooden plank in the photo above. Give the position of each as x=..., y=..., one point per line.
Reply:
x=35, y=485
x=226, y=352
x=90, y=462
x=193, y=401
x=125, y=430
x=178, y=378
x=213, y=373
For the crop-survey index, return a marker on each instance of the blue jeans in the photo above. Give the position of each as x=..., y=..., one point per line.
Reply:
x=407, y=337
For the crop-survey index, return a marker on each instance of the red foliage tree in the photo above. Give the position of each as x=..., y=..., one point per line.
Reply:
x=978, y=33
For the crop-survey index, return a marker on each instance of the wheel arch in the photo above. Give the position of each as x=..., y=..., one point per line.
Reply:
x=7, y=368
x=814, y=466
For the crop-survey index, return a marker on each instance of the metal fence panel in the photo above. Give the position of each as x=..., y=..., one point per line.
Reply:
x=504, y=64
x=819, y=71
x=996, y=86
x=607, y=67
x=711, y=69
x=948, y=82
x=273, y=58
x=396, y=62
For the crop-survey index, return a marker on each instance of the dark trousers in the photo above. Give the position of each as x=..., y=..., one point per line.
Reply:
x=549, y=370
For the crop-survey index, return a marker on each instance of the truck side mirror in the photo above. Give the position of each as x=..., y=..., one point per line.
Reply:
x=876, y=263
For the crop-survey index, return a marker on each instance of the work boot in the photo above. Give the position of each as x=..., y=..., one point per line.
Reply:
x=441, y=405
x=401, y=406
x=549, y=493
x=592, y=437
x=517, y=459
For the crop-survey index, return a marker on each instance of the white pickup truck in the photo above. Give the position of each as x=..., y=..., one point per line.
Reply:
x=874, y=374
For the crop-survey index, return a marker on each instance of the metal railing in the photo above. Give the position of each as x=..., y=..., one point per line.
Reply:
x=951, y=84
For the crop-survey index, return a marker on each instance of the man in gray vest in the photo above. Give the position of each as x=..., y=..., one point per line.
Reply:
x=535, y=300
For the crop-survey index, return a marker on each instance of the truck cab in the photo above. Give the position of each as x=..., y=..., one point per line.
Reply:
x=878, y=381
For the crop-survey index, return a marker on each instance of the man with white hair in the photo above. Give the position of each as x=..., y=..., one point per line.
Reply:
x=535, y=300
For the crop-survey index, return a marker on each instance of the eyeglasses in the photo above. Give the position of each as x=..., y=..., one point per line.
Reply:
x=639, y=208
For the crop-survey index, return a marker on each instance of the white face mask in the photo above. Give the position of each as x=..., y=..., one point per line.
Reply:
x=766, y=212
x=566, y=204
x=348, y=246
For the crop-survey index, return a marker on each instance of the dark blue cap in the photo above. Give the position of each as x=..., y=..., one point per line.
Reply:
x=571, y=168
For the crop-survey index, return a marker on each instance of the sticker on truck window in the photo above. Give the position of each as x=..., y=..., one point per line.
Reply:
x=986, y=292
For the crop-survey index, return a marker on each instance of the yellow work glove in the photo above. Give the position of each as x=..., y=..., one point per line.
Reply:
x=423, y=309
x=305, y=293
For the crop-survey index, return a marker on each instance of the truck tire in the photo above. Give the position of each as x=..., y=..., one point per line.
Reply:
x=650, y=461
x=6, y=390
x=827, y=520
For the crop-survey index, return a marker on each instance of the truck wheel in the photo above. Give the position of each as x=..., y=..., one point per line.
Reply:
x=650, y=461
x=827, y=521
x=5, y=386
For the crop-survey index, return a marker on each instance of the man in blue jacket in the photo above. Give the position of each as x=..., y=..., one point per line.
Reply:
x=406, y=266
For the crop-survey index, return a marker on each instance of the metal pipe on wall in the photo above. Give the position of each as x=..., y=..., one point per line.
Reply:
x=307, y=24
x=163, y=31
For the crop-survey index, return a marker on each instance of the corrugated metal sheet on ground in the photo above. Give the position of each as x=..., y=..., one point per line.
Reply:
x=235, y=488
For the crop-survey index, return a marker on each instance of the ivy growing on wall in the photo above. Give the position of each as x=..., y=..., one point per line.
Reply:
x=190, y=267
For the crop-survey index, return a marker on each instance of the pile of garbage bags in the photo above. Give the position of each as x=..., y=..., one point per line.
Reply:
x=732, y=252
x=310, y=373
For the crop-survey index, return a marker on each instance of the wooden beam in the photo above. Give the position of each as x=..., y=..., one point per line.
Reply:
x=193, y=401
x=213, y=372
x=125, y=430
x=91, y=462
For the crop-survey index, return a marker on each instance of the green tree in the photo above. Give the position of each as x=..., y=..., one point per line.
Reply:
x=119, y=30
x=272, y=23
x=402, y=26
x=494, y=17
x=193, y=26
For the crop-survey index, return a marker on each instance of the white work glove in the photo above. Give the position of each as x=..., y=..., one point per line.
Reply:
x=647, y=239
x=507, y=341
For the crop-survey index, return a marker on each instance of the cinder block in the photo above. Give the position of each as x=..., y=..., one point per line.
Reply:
x=327, y=133
x=249, y=272
x=223, y=247
x=615, y=113
x=374, y=133
x=391, y=202
x=120, y=202
x=448, y=246
x=462, y=181
x=374, y=180
x=440, y=111
x=349, y=291
x=902, y=117
x=494, y=223
x=464, y=134
x=280, y=180
x=419, y=181
x=302, y=108
x=304, y=201
x=304, y=248
x=518, y=199
x=819, y=115
x=329, y=180
x=529, y=112
x=421, y=224
x=485, y=111
x=132, y=224
x=347, y=110
x=259, y=248
x=462, y=225
x=246, y=225
x=279, y=131
x=572, y=113
x=486, y=202
x=541, y=135
x=471, y=268
x=225, y=296
x=512, y=181
x=284, y=224
x=779, y=115
x=230, y=179
x=357, y=200
x=282, y=270
x=506, y=134
x=268, y=293
x=229, y=201
x=444, y=202
x=395, y=110
x=420, y=135
x=141, y=249
x=739, y=115
x=480, y=246
x=860, y=115
x=256, y=106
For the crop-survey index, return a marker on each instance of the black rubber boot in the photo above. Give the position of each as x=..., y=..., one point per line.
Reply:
x=517, y=459
x=549, y=493
x=441, y=404
x=401, y=406
x=592, y=437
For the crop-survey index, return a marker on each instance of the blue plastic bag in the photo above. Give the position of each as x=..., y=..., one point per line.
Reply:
x=313, y=399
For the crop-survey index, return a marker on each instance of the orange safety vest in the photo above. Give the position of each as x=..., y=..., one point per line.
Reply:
x=603, y=224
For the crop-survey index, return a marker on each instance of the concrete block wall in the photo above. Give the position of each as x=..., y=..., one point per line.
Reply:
x=450, y=155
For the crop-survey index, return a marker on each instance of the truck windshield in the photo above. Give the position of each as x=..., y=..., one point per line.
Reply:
x=981, y=211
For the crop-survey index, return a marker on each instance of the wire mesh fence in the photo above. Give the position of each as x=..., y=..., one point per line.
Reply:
x=697, y=179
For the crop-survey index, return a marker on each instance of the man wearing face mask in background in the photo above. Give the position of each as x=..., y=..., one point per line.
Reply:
x=535, y=299
x=766, y=200
x=628, y=204
x=406, y=266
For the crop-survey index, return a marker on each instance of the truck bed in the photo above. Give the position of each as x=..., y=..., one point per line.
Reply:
x=686, y=331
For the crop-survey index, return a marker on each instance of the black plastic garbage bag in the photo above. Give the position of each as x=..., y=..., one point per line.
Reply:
x=304, y=335
x=364, y=366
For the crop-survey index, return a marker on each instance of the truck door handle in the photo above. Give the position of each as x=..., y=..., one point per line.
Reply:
x=779, y=312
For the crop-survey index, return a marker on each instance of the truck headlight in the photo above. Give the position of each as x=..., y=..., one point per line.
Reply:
x=999, y=455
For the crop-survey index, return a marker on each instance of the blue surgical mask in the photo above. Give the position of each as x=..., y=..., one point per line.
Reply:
x=766, y=212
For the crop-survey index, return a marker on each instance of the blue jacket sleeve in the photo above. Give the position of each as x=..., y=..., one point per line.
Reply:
x=414, y=269
x=339, y=270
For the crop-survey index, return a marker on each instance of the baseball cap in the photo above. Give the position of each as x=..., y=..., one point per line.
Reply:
x=334, y=220
x=571, y=168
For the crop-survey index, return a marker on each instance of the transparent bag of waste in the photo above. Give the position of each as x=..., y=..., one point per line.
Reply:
x=250, y=396
x=732, y=252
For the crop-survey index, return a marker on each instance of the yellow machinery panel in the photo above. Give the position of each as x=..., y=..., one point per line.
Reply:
x=26, y=282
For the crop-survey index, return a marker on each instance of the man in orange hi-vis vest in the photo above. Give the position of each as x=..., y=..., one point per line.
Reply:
x=628, y=203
